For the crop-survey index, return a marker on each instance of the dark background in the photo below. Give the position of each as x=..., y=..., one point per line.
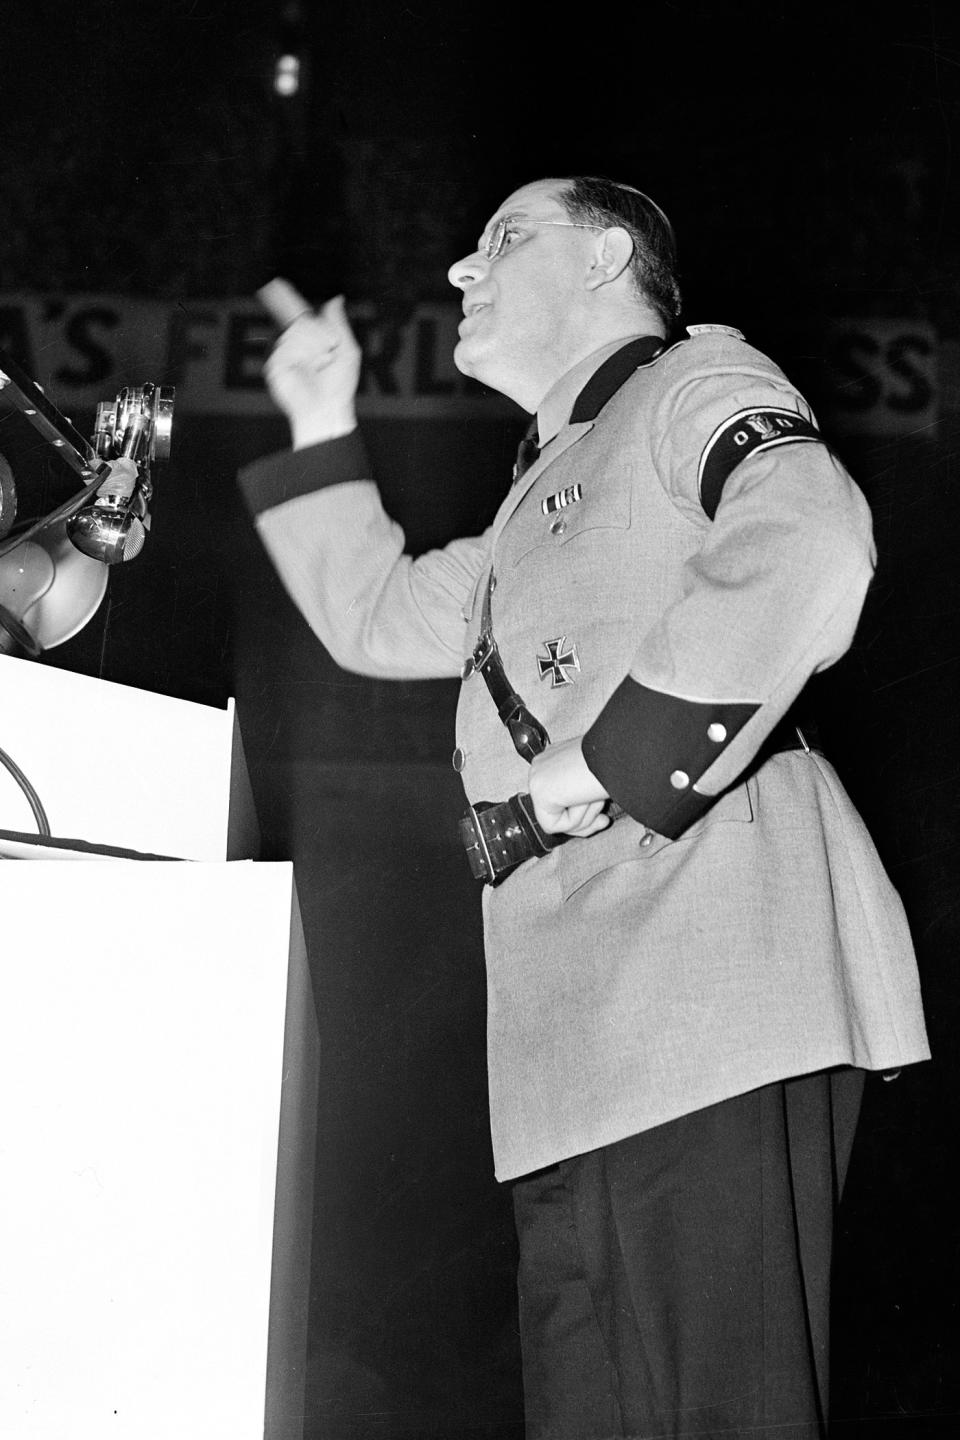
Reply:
x=807, y=156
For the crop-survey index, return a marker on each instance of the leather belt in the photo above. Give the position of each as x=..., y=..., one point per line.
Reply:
x=500, y=835
x=528, y=735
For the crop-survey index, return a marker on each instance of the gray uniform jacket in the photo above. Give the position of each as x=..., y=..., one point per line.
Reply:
x=682, y=557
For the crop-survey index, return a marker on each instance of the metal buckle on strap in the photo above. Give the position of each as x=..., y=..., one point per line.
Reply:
x=483, y=650
x=480, y=655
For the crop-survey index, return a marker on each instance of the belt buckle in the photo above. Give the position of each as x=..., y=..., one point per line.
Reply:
x=473, y=841
x=500, y=836
x=483, y=649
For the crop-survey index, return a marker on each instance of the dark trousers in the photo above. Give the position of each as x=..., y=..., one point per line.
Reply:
x=677, y=1282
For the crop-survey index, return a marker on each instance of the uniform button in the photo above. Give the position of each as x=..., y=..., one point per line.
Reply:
x=459, y=759
x=558, y=526
x=679, y=779
x=717, y=733
x=646, y=838
x=468, y=668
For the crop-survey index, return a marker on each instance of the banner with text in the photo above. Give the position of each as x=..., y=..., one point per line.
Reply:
x=882, y=374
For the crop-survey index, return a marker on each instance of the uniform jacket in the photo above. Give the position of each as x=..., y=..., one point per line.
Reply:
x=681, y=558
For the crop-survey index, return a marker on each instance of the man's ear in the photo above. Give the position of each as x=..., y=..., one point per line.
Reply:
x=612, y=254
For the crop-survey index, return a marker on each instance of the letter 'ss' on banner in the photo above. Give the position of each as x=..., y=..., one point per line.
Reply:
x=883, y=377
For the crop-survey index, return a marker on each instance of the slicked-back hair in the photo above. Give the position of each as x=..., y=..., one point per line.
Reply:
x=594, y=200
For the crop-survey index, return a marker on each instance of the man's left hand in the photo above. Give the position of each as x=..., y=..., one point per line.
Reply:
x=567, y=797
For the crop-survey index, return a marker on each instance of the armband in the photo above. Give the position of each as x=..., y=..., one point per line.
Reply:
x=741, y=435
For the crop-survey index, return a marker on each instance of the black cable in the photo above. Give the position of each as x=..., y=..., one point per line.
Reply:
x=39, y=814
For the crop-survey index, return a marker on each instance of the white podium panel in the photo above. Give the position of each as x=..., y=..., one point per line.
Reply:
x=148, y=1096
x=114, y=765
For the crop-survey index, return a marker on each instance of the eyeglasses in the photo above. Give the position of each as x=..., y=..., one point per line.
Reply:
x=496, y=241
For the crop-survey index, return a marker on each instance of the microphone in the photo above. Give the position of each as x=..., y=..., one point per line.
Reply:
x=131, y=431
x=52, y=575
x=113, y=527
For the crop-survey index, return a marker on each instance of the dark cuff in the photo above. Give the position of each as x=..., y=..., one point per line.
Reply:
x=292, y=473
x=648, y=749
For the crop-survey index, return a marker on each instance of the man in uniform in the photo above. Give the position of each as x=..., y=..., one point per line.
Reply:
x=700, y=953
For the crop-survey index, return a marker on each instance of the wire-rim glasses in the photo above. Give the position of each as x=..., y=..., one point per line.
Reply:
x=492, y=246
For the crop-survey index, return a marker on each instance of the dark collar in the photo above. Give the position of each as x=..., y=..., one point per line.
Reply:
x=614, y=372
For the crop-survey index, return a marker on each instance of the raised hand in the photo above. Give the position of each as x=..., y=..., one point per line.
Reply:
x=313, y=370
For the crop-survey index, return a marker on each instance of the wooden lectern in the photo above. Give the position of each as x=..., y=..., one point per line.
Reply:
x=158, y=1074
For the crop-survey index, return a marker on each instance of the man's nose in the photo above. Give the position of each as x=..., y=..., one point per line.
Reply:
x=468, y=270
